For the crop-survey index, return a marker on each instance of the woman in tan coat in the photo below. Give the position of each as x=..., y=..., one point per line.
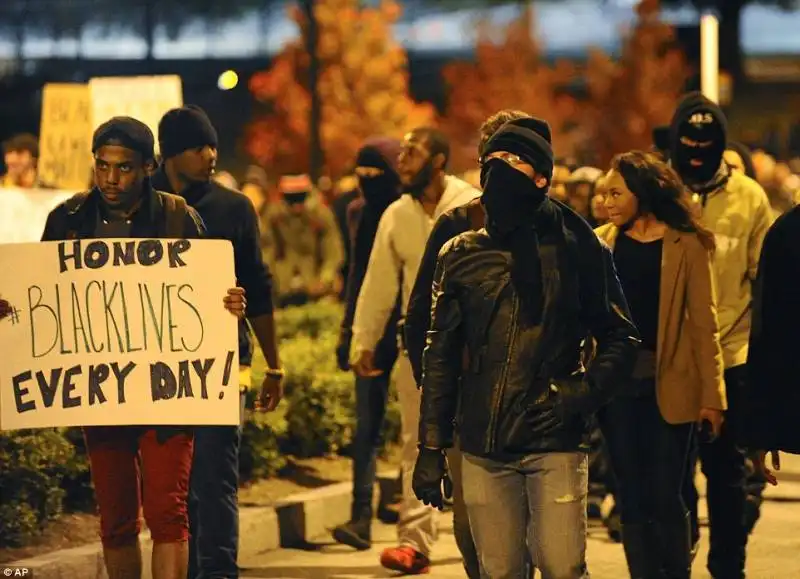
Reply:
x=663, y=259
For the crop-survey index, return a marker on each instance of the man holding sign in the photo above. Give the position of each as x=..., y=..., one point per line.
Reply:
x=131, y=463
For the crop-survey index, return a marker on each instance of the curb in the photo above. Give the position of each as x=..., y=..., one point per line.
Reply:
x=294, y=521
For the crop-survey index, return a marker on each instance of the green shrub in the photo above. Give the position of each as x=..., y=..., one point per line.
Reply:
x=321, y=415
x=260, y=455
x=35, y=463
x=310, y=320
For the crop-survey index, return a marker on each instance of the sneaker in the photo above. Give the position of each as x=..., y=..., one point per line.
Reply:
x=406, y=560
x=355, y=533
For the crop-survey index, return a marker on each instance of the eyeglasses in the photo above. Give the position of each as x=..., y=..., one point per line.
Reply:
x=510, y=158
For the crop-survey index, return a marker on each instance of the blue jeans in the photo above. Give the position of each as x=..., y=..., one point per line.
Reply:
x=213, y=503
x=371, y=397
x=536, y=504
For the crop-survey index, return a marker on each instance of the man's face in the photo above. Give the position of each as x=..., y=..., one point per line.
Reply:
x=18, y=163
x=196, y=165
x=119, y=174
x=415, y=165
x=734, y=160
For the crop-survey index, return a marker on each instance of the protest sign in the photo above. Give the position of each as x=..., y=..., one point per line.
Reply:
x=23, y=213
x=118, y=332
x=145, y=98
x=65, y=139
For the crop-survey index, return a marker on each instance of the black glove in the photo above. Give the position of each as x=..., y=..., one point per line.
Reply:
x=429, y=473
x=574, y=397
x=343, y=351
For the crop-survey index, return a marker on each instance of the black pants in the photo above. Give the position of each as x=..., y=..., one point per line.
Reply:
x=723, y=465
x=371, y=397
x=213, y=504
x=648, y=457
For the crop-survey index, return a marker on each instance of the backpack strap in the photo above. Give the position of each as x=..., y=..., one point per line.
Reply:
x=175, y=210
x=76, y=201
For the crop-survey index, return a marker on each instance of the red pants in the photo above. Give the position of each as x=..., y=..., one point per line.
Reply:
x=128, y=465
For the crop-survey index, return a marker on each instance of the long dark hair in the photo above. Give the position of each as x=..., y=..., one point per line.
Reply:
x=661, y=193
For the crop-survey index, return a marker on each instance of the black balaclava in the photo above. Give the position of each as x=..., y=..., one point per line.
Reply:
x=512, y=200
x=698, y=119
x=510, y=197
x=380, y=153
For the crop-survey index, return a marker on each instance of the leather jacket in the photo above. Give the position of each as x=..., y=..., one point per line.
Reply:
x=525, y=389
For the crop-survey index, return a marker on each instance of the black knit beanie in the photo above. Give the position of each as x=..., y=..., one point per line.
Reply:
x=528, y=137
x=128, y=132
x=185, y=128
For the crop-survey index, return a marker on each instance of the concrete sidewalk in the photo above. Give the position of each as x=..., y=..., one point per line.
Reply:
x=280, y=541
x=771, y=553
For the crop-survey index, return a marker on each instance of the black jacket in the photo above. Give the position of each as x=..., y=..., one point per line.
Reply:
x=362, y=226
x=771, y=408
x=503, y=403
x=79, y=221
x=230, y=215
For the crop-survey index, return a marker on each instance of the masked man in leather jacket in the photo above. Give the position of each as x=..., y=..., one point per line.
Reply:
x=519, y=297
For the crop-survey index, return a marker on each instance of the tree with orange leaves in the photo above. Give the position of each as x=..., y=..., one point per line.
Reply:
x=507, y=74
x=362, y=85
x=637, y=92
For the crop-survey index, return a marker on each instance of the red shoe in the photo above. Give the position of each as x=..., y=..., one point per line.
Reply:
x=406, y=560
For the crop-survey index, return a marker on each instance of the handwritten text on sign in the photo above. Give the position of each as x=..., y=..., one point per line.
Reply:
x=116, y=332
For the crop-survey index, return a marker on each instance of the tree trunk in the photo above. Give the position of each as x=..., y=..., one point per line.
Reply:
x=317, y=159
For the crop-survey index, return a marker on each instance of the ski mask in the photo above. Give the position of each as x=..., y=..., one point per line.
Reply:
x=380, y=153
x=510, y=197
x=698, y=138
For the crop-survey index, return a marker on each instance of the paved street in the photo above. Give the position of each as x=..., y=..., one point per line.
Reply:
x=772, y=553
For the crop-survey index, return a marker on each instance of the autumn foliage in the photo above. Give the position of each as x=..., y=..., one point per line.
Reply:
x=363, y=86
x=511, y=73
x=630, y=96
x=620, y=102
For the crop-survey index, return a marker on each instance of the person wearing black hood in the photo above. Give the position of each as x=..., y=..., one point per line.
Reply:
x=520, y=296
x=376, y=169
x=736, y=209
x=188, y=143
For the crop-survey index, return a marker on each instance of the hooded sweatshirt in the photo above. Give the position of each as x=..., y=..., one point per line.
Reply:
x=363, y=215
x=733, y=206
x=395, y=258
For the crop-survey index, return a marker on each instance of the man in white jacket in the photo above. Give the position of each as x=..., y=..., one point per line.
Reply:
x=399, y=244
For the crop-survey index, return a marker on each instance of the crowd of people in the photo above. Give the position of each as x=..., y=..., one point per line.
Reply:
x=547, y=326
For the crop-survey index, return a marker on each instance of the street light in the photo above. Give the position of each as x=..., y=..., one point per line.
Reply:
x=228, y=80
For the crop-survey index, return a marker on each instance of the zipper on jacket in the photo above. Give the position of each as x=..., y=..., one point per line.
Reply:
x=490, y=444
